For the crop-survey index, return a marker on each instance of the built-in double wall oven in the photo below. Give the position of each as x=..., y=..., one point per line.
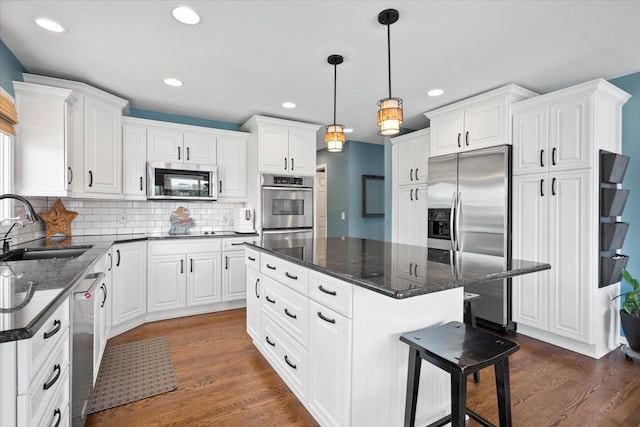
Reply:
x=287, y=215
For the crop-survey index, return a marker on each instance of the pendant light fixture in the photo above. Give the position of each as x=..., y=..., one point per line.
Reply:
x=334, y=138
x=390, y=112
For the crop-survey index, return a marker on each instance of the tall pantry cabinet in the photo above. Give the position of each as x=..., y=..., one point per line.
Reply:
x=410, y=155
x=556, y=141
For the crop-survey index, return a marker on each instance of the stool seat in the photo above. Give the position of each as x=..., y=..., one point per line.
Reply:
x=459, y=349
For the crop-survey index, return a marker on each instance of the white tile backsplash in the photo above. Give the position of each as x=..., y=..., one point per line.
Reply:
x=103, y=217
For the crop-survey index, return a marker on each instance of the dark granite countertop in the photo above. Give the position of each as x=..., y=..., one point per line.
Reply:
x=33, y=289
x=379, y=265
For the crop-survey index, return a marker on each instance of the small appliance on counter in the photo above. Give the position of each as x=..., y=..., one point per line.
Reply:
x=244, y=221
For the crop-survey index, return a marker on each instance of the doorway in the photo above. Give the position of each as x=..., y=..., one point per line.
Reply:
x=320, y=216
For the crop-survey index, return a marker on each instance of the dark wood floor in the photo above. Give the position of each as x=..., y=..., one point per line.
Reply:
x=224, y=381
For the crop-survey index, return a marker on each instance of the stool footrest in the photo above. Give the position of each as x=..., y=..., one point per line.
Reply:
x=474, y=415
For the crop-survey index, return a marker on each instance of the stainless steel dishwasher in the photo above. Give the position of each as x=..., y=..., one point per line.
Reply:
x=83, y=312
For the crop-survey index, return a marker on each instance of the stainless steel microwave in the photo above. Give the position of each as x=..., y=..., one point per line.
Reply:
x=181, y=181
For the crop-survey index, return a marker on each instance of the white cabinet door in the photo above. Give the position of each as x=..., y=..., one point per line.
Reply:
x=254, y=293
x=199, y=148
x=134, y=160
x=203, y=278
x=329, y=366
x=233, y=276
x=102, y=147
x=569, y=254
x=422, y=151
x=273, y=149
x=446, y=133
x=530, y=241
x=531, y=152
x=485, y=124
x=232, y=167
x=164, y=145
x=302, y=152
x=129, y=288
x=167, y=282
x=404, y=162
x=42, y=141
x=570, y=138
x=411, y=214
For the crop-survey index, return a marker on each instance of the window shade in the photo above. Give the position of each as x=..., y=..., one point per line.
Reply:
x=8, y=115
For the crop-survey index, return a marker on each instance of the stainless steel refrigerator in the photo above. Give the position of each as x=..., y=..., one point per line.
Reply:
x=469, y=211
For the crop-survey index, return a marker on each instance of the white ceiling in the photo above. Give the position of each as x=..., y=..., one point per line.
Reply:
x=247, y=57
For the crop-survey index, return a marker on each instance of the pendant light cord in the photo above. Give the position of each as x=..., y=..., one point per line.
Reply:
x=335, y=79
x=389, y=54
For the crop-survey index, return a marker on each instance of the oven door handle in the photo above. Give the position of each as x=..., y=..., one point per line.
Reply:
x=270, y=187
x=285, y=231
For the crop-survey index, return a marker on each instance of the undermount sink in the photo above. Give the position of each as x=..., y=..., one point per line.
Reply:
x=24, y=254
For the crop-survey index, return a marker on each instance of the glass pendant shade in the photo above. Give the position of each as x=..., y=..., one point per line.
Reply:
x=390, y=116
x=334, y=138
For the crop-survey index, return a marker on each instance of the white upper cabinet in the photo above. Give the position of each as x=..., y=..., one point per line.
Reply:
x=174, y=144
x=411, y=157
x=232, y=166
x=556, y=131
x=478, y=122
x=134, y=160
x=102, y=146
x=284, y=147
x=95, y=130
x=43, y=142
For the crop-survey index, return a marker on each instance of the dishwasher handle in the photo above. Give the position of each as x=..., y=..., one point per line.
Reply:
x=88, y=292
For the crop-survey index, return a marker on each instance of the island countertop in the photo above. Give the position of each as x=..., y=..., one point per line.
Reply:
x=396, y=270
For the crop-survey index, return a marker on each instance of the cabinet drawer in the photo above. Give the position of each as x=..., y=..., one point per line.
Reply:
x=58, y=408
x=251, y=258
x=331, y=292
x=237, y=243
x=45, y=386
x=32, y=353
x=286, y=356
x=294, y=276
x=182, y=246
x=287, y=308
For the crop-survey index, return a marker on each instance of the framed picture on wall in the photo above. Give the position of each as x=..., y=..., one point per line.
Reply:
x=372, y=196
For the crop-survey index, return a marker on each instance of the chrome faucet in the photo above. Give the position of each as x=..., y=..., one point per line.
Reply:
x=30, y=213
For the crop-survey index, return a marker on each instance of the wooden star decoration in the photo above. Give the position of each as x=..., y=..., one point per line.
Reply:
x=58, y=219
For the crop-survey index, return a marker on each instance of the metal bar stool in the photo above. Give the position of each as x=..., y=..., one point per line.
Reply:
x=470, y=319
x=460, y=350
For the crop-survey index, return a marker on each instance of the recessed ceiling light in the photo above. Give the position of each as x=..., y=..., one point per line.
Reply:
x=347, y=130
x=185, y=15
x=435, y=92
x=173, y=82
x=49, y=25
x=289, y=104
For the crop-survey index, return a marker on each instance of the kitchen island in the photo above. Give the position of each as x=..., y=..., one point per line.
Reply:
x=327, y=314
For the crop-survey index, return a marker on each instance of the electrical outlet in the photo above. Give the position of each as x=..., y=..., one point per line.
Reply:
x=343, y=216
x=122, y=217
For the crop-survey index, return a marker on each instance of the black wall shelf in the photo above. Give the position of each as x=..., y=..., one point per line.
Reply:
x=612, y=232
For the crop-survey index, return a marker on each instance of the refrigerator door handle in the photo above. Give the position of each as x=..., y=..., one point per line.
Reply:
x=458, y=214
x=452, y=217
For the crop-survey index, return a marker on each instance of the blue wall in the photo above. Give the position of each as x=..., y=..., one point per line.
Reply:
x=183, y=120
x=364, y=159
x=631, y=148
x=10, y=69
x=344, y=189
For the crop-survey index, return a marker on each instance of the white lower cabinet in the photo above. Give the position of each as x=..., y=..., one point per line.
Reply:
x=255, y=294
x=102, y=310
x=129, y=282
x=183, y=274
x=233, y=269
x=329, y=365
x=34, y=390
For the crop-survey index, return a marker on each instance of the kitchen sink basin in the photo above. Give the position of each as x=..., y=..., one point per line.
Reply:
x=24, y=254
